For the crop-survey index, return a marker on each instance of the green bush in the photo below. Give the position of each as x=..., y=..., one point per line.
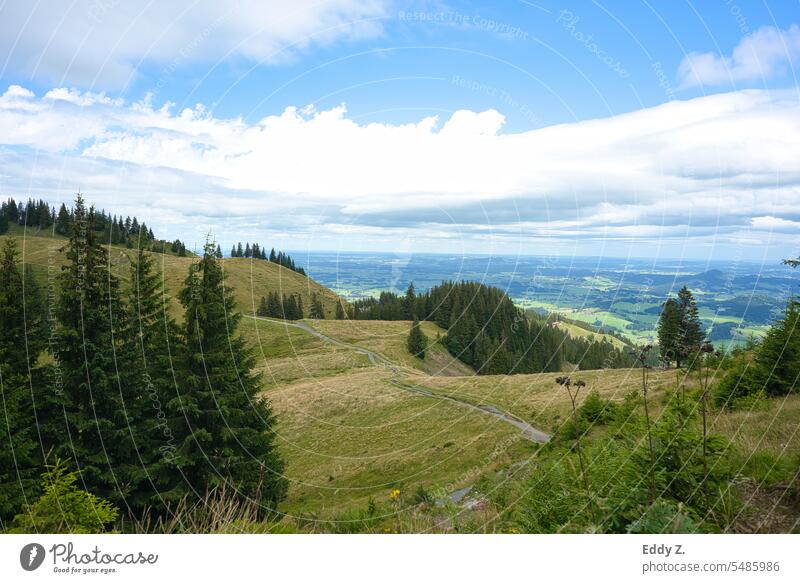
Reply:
x=740, y=381
x=64, y=508
x=664, y=517
x=597, y=411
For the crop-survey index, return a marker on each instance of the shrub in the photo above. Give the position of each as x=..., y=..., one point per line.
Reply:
x=739, y=382
x=596, y=410
x=664, y=517
x=64, y=508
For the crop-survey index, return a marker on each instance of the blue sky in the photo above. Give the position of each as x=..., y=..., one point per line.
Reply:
x=619, y=128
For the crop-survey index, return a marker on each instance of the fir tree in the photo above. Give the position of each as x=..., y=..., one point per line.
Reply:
x=340, y=315
x=223, y=427
x=409, y=304
x=417, y=341
x=262, y=307
x=88, y=309
x=778, y=356
x=151, y=338
x=669, y=340
x=316, y=309
x=20, y=454
x=274, y=306
x=690, y=330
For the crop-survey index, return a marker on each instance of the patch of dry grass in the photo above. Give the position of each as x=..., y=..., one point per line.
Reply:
x=352, y=436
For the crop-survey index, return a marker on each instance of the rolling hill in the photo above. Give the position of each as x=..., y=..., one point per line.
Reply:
x=249, y=279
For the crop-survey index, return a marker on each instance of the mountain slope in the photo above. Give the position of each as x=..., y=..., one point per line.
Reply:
x=250, y=279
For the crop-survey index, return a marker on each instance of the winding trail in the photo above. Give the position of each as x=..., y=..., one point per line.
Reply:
x=529, y=432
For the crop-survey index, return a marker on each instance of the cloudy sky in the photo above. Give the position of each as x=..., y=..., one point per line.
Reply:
x=613, y=128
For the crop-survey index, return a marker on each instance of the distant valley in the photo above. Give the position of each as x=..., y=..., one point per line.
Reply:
x=737, y=299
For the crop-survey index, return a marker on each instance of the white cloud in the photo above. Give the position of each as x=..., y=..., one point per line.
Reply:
x=104, y=42
x=767, y=52
x=770, y=223
x=709, y=167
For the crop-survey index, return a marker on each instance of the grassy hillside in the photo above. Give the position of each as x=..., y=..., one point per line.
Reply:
x=580, y=332
x=350, y=434
x=389, y=340
x=249, y=279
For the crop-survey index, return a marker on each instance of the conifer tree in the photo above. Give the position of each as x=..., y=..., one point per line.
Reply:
x=89, y=308
x=151, y=338
x=410, y=302
x=274, y=306
x=63, y=220
x=778, y=356
x=690, y=330
x=669, y=339
x=20, y=453
x=262, y=307
x=224, y=429
x=340, y=315
x=316, y=309
x=417, y=341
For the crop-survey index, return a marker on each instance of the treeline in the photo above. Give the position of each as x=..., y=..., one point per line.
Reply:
x=113, y=229
x=488, y=332
x=258, y=252
x=290, y=307
x=149, y=411
x=769, y=369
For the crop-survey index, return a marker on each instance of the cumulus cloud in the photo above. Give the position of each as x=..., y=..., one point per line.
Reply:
x=765, y=53
x=103, y=42
x=712, y=166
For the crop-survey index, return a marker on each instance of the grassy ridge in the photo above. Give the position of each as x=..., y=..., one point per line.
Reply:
x=249, y=279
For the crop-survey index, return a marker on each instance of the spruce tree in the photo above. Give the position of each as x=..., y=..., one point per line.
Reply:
x=151, y=338
x=274, y=306
x=669, y=341
x=409, y=304
x=417, y=341
x=20, y=453
x=224, y=428
x=778, y=356
x=690, y=330
x=340, y=315
x=88, y=309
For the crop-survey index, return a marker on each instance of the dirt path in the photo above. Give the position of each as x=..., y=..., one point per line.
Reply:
x=528, y=431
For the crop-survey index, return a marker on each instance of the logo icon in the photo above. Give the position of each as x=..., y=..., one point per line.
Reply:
x=31, y=556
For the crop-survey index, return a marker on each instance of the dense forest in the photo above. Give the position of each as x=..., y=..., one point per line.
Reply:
x=98, y=396
x=38, y=214
x=488, y=332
